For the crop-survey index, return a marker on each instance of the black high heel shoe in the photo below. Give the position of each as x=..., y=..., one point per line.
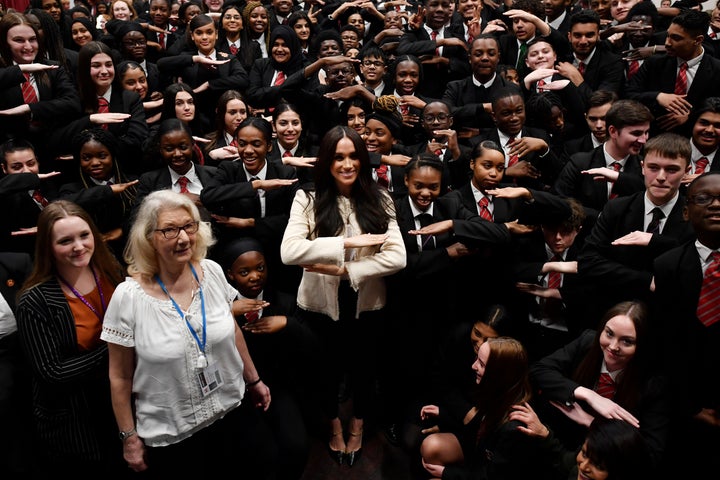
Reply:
x=336, y=455
x=352, y=457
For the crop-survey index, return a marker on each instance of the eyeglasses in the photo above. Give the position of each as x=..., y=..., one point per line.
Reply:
x=232, y=17
x=373, y=63
x=134, y=43
x=703, y=199
x=340, y=71
x=440, y=117
x=173, y=232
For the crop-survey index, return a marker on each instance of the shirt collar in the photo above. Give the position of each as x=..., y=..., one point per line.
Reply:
x=416, y=211
x=190, y=175
x=666, y=208
x=487, y=84
x=260, y=175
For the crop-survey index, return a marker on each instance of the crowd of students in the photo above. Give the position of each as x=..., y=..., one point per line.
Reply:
x=495, y=221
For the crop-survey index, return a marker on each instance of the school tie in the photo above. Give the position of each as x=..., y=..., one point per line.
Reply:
x=708, y=309
x=605, y=386
x=483, y=205
x=633, y=68
x=681, y=84
x=541, y=86
x=183, y=182
x=382, y=175
x=522, y=54
x=615, y=166
x=713, y=35
x=252, y=316
x=404, y=109
x=470, y=39
x=103, y=105
x=29, y=93
x=581, y=68
x=701, y=164
x=161, y=40
x=40, y=199
x=287, y=153
x=433, y=37
x=426, y=241
x=554, y=278
x=439, y=153
x=654, y=225
x=279, y=78
x=233, y=49
x=234, y=143
x=514, y=158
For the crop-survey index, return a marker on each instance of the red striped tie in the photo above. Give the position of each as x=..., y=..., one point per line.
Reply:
x=39, y=198
x=605, y=386
x=103, y=107
x=700, y=165
x=252, y=316
x=383, y=176
x=161, y=40
x=633, y=68
x=287, y=153
x=554, y=278
x=615, y=166
x=541, y=86
x=708, y=309
x=581, y=68
x=433, y=37
x=279, y=79
x=29, y=93
x=513, y=158
x=183, y=182
x=233, y=49
x=483, y=204
x=681, y=84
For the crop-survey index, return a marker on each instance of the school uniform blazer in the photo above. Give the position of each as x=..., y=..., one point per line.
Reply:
x=456, y=173
x=467, y=101
x=99, y=201
x=14, y=269
x=160, y=179
x=305, y=149
x=695, y=358
x=658, y=73
x=319, y=292
x=551, y=378
x=593, y=194
x=578, y=145
x=58, y=102
x=71, y=389
x=624, y=272
x=435, y=77
x=606, y=71
x=260, y=93
x=573, y=101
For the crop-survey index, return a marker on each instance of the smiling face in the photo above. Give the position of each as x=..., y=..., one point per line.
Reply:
x=121, y=11
x=356, y=119
x=171, y=253
x=214, y=5
x=437, y=13
x=135, y=81
x=480, y=363
x=280, y=51
x=235, y=113
x=706, y=132
x=423, y=185
x=346, y=166
x=487, y=169
x=102, y=72
x=288, y=127
x=630, y=139
x=329, y=48
x=96, y=160
x=252, y=147
x=72, y=243
x=378, y=137
x=484, y=58
x=583, y=38
x=619, y=9
x=54, y=8
x=705, y=219
x=587, y=470
x=80, y=34
x=258, y=20
x=176, y=151
x=302, y=30
x=509, y=114
x=540, y=55
x=232, y=21
x=407, y=77
x=184, y=106
x=23, y=43
x=248, y=274
x=205, y=38
x=618, y=342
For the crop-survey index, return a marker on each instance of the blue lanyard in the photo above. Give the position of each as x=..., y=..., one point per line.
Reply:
x=84, y=300
x=200, y=344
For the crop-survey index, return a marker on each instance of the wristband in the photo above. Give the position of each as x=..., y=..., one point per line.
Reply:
x=252, y=384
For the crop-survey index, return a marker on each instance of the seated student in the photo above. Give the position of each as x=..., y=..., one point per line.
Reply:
x=608, y=373
x=431, y=35
x=545, y=269
x=684, y=294
x=278, y=344
x=598, y=105
x=632, y=231
x=705, y=139
x=442, y=141
x=672, y=84
x=471, y=97
x=290, y=145
x=406, y=76
x=617, y=161
x=640, y=43
x=373, y=69
x=530, y=161
x=24, y=192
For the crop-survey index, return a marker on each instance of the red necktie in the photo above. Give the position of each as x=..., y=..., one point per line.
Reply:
x=633, y=68
x=404, y=109
x=183, y=182
x=484, y=210
x=161, y=40
x=540, y=85
x=279, y=78
x=433, y=37
x=681, y=84
x=554, y=278
x=287, y=153
x=700, y=165
x=713, y=35
x=605, y=386
x=382, y=175
x=438, y=152
x=233, y=49
x=252, y=316
x=103, y=105
x=513, y=158
x=29, y=93
x=39, y=198
x=708, y=309
x=581, y=68
x=615, y=166
x=234, y=143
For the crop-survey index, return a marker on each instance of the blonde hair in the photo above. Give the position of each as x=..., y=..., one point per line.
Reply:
x=140, y=253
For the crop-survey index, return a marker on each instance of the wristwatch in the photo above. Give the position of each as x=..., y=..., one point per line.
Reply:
x=125, y=435
x=330, y=17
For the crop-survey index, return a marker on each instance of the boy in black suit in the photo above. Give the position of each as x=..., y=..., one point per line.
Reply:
x=600, y=102
x=705, y=139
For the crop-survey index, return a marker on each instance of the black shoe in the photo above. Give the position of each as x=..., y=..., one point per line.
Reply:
x=352, y=457
x=336, y=455
x=392, y=433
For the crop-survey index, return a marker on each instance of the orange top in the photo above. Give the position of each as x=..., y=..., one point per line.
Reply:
x=87, y=325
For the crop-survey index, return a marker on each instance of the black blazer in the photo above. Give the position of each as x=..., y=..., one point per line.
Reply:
x=580, y=144
x=305, y=149
x=467, y=101
x=606, y=71
x=260, y=93
x=160, y=179
x=14, y=269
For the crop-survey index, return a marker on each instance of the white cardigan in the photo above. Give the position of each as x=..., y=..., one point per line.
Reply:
x=319, y=292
